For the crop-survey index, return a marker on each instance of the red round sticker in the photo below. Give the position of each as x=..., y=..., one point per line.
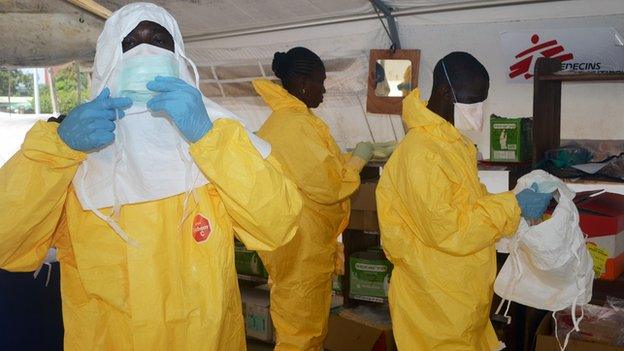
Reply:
x=201, y=228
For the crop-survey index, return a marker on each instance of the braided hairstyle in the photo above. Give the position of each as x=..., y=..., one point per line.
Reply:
x=302, y=73
x=297, y=61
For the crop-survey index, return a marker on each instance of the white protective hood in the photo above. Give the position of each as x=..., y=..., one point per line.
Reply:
x=108, y=56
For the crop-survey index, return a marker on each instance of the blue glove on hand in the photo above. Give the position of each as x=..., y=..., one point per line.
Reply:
x=533, y=203
x=184, y=105
x=90, y=125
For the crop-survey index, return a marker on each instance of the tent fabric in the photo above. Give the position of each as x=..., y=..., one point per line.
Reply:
x=344, y=106
x=71, y=33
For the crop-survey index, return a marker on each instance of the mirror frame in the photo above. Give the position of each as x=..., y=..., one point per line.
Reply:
x=386, y=104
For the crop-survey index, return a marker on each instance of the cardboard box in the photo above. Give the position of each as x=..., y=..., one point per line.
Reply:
x=248, y=262
x=347, y=335
x=364, y=198
x=256, y=310
x=511, y=139
x=602, y=220
x=545, y=341
x=364, y=209
x=369, y=275
x=364, y=220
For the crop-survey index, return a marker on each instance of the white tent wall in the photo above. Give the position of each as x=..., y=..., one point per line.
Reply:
x=589, y=110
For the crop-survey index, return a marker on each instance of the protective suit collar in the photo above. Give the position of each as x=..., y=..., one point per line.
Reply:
x=276, y=96
x=417, y=115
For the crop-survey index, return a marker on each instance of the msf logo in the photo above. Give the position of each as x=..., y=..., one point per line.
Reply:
x=550, y=49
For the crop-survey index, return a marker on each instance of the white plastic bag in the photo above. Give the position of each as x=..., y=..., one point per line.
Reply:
x=548, y=266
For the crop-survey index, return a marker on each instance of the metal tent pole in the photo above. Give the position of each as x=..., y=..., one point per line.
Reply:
x=472, y=5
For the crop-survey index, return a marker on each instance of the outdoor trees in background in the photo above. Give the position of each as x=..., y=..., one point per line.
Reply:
x=66, y=90
x=21, y=83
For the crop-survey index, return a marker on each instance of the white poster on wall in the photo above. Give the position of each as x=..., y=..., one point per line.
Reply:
x=578, y=49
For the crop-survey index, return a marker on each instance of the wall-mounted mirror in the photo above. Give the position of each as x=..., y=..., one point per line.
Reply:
x=392, y=75
x=393, y=78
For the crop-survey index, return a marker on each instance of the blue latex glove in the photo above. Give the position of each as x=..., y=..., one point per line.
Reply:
x=90, y=126
x=533, y=203
x=184, y=105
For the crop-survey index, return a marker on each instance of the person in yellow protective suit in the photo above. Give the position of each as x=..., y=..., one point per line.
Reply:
x=439, y=224
x=81, y=187
x=301, y=271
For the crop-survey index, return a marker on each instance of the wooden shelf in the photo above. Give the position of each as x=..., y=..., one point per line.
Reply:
x=582, y=77
x=547, y=83
x=369, y=299
x=251, y=278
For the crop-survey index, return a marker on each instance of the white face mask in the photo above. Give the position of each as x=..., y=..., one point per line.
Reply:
x=469, y=116
x=466, y=116
x=141, y=65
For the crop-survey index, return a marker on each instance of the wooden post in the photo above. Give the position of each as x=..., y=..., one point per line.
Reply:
x=546, y=109
x=53, y=97
x=78, y=84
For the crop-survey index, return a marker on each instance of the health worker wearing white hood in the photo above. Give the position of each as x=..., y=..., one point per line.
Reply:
x=142, y=190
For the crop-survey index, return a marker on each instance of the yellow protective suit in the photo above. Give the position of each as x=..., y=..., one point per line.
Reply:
x=301, y=271
x=438, y=227
x=173, y=292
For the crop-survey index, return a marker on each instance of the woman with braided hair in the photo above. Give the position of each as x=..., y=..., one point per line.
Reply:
x=302, y=270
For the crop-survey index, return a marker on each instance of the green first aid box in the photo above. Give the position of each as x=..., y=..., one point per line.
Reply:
x=369, y=275
x=511, y=139
x=248, y=262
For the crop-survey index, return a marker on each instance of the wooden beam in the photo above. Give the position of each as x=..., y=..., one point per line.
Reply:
x=92, y=7
x=587, y=77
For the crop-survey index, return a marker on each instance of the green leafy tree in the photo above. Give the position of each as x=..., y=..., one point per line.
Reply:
x=21, y=83
x=66, y=90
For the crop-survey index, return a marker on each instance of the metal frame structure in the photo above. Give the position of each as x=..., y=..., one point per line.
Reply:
x=472, y=5
x=392, y=26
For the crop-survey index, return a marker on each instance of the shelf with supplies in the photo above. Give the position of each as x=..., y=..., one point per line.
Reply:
x=547, y=84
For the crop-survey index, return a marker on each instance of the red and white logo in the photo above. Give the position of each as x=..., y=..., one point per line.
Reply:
x=599, y=49
x=549, y=49
x=201, y=228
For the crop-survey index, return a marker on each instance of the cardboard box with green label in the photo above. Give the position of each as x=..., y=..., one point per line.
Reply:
x=369, y=275
x=511, y=139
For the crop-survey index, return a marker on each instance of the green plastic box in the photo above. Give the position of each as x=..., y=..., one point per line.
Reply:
x=369, y=275
x=248, y=262
x=511, y=139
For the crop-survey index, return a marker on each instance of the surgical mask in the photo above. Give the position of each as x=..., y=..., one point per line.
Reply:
x=141, y=65
x=466, y=116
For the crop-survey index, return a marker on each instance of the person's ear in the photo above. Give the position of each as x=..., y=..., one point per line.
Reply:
x=302, y=85
x=446, y=93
